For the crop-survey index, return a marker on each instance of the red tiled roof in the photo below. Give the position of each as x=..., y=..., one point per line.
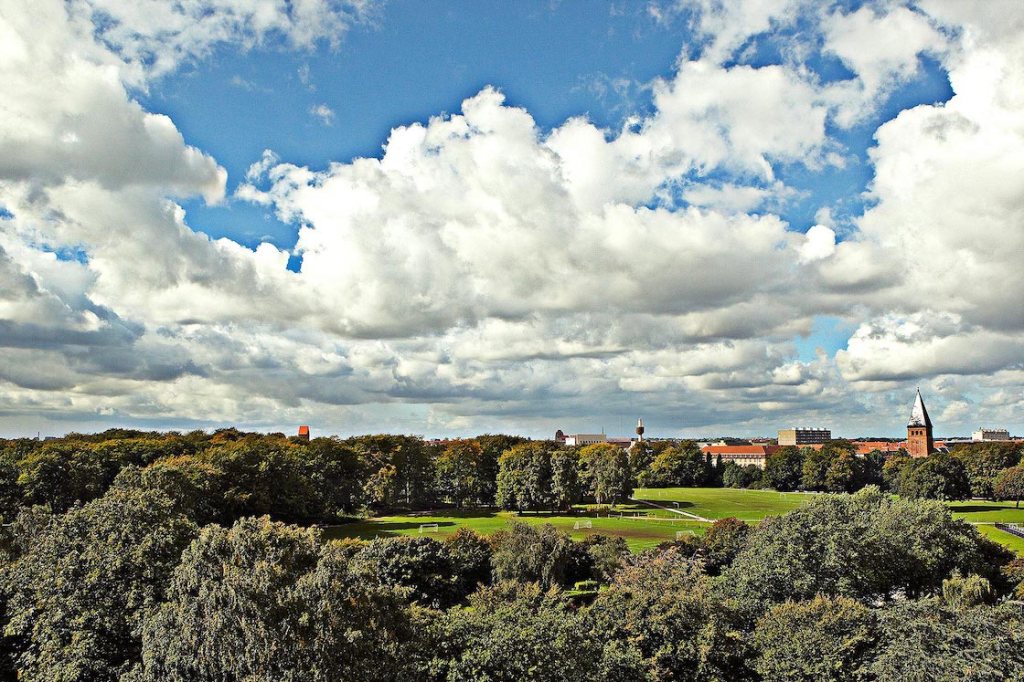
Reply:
x=762, y=450
x=866, y=446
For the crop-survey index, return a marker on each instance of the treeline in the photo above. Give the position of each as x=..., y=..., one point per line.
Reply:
x=230, y=474
x=985, y=470
x=130, y=588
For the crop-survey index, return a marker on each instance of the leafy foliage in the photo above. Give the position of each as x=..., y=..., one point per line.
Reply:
x=263, y=601
x=106, y=574
x=662, y=615
x=927, y=640
x=936, y=477
x=1009, y=484
x=867, y=546
x=684, y=465
x=605, y=473
x=821, y=639
x=783, y=469
x=525, y=553
x=515, y=632
x=78, y=596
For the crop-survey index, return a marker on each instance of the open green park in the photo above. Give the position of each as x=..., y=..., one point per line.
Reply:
x=679, y=511
x=631, y=522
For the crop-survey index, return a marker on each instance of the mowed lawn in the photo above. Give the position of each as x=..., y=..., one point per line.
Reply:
x=987, y=512
x=640, y=533
x=644, y=527
x=984, y=514
x=719, y=503
x=1011, y=542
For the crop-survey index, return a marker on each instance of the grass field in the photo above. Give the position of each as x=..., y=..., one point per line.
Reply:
x=1011, y=542
x=639, y=533
x=658, y=525
x=719, y=503
x=987, y=512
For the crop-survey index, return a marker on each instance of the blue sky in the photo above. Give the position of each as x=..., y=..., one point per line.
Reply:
x=416, y=60
x=515, y=261
x=421, y=59
x=413, y=61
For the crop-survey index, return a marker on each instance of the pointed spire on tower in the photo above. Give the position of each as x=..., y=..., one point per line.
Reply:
x=919, y=415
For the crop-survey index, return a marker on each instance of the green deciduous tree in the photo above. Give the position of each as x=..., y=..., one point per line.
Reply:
x=264, y=476
x=684, y=465
x=893, y=468
x=984, y=461
x=470, y=556
x=421, y=569
x=737, y=476
x=64, y=473
x=10, y=491
x=491, y=448
x=78, y=597
x=525, y=553
x=525, y=477
x=818, y=640
x=936, y=477
x=458, y=471
x=783, y=469
x=1009, y=485
x=604, y=471
x=335, y=477
x=929, y=640
x=815, y=468
x=195, y=486
x=662, y=614
x=405, y=463
x=265, y=601
x=566, y=489
x=516, y=633
x=868, y=546
x=845, y=473
x=722, y=542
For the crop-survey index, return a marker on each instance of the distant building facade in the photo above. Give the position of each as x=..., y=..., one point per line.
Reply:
x=804, y=436
x=585, y=439
x=920, y=442
x=744, y=455
x=983, y=434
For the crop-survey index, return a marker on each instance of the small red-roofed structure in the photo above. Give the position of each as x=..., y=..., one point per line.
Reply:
x=304, y=432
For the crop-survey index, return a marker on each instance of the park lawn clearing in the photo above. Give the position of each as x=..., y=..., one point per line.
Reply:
x=639, y=533
x=720, y=503
x=1007, y=540
x=984, y=514
x=979, y=511
x=654, y=526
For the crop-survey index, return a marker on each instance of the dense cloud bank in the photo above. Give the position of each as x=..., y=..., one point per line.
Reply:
x=484, y=271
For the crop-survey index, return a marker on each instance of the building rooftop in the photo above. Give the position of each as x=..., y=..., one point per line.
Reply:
x=919, y=415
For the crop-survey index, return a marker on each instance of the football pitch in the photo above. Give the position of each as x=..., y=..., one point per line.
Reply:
x=640, y=532
x=679, y=512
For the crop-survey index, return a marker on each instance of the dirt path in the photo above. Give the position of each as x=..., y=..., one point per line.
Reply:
x=674, y=511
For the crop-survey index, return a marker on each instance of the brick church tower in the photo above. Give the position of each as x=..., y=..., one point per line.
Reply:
x=919, y=430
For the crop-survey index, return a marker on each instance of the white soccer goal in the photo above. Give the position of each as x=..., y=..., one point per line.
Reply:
x=583, y=523
x=428, y=528
x=680, y=534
